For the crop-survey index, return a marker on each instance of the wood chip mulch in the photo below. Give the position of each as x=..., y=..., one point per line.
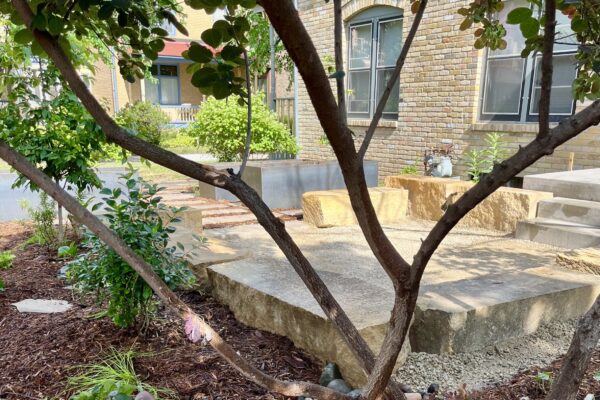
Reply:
x=39, y=352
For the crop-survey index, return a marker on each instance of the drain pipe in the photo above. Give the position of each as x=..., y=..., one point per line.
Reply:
x=296, y=130
x=114, y=82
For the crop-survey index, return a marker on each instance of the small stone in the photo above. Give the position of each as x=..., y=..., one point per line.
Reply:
x=355, y=394
x=413, y=396
x=339, y=385
x=433, y=388
x=405, y=388
x=330, y=372
x=589, y=397
x=143, y=395
x=62, y=273
x=41, y=306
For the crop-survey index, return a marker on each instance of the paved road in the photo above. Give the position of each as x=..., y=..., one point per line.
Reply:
x=10, y=198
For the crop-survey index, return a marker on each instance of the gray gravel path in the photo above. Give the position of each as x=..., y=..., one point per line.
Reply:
x=494, y=364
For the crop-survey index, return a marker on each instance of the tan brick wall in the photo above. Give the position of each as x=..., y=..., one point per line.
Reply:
x=196, y=22
x=189, y=93
x=439, y=85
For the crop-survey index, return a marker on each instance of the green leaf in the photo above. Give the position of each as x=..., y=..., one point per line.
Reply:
x=122, y=4
x=578, y=25
x=55, y=25
x=204, y=77
x=248, y=3
x=39, y=22
x=199, y=54
x=221, y=89
x=212, y=37
x=518, y=15
x=530, y=27
x=466, y=24
x=231, y=52
x=106, y=11
x=24, y=36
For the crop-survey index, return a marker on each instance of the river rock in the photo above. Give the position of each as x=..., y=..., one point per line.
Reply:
x=330, y=372
x=339, y=385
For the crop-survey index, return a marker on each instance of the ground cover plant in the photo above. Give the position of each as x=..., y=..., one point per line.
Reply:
x=214, y=75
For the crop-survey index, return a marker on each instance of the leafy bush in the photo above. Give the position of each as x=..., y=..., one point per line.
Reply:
x=44, y=231
x=134, y=214
x=6, y=259
x=481, y=162
x=113, y=378
x=180, y=142
x=409, y=170
x=221, y=126
x=145, y=119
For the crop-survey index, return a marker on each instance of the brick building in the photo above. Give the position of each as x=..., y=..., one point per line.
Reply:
x=449, y=92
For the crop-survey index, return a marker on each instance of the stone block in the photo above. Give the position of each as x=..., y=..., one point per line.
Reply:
x=583, y=260
x=332, y=207
x=191, y=219
x=429, y=196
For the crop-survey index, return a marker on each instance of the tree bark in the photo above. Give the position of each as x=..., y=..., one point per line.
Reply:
x=171, y=300
x=575, y=363
x=546, y=67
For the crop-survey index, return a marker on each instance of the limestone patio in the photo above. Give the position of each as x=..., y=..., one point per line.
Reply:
x=480, y=287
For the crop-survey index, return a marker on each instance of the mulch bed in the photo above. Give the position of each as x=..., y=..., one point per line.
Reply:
x=39, y=352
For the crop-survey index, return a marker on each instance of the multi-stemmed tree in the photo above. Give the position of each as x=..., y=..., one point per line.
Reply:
x=131, y=29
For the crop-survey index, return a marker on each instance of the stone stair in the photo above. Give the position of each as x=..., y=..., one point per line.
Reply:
x=563, y=222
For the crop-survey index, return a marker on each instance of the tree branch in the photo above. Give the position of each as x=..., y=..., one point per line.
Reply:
x=547, y=69
x=217, y=178
x=249, y=120
x=393, y=79
x=171, y=300
x=578, y=357
x=339, y=61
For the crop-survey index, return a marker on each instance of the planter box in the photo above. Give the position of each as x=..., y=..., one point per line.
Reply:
x=282, y=183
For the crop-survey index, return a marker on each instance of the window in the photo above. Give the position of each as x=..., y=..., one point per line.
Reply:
x=374, y=44
x=511, y=86
x=169, y=27
x=166, y=90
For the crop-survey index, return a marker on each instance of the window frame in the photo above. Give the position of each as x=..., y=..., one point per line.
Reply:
x=159, y=78
x=373, y=17
x=525, y=113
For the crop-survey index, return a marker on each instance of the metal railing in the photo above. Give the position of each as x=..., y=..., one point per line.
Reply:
x=184, y=113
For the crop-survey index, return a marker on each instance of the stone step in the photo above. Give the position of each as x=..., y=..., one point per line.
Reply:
x=572, y=210
x=228, y=220
x=558, y=233
x=582, y=184
x=215, y=212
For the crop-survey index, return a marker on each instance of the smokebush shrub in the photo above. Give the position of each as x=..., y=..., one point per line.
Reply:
x=145, y=119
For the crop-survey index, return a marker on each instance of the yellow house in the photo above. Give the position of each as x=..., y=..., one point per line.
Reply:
x=172, y=91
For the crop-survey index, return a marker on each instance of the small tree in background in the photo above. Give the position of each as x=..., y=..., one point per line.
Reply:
x=220, y=126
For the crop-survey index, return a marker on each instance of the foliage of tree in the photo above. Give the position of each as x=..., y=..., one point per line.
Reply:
x=145, y=120
x=213, y=73
x=137, y=215
x=220, y=126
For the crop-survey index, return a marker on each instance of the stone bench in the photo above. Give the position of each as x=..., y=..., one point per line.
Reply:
x=501, y=211
x=332, y=207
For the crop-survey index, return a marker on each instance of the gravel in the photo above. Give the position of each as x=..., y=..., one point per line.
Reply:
x=494, y=364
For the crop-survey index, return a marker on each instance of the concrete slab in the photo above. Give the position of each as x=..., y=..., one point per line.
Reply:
x=264, y=291
x=584, y=260
x=41, y=306
x=582, y=184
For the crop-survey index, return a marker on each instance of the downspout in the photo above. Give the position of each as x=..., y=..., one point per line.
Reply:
x=272, y=105
x=114, y=83
x=296, y=130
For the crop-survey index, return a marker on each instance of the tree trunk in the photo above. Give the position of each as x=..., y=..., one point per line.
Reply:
x=578, y=357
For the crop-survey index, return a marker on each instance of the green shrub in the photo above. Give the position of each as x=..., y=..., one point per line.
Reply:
x=181, y=142
x=481, y=162
x=409, y=170
x=44, y=231
x=220, y=126
x=145, y=119
x=6, y=259
x=113, y=378
x=133, y=214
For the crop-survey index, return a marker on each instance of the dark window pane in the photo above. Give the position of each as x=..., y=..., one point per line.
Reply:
x=392, y=104
x=360, y=46
x=502, y=91
x=359, y=91
x=565, y=71
x=514, y=38
x=390, y=42
x=154, y=69
x=169, y=90
x=168, y=70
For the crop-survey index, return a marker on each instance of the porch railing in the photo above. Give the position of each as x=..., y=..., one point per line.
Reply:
x=181, y=114
x=284, y=108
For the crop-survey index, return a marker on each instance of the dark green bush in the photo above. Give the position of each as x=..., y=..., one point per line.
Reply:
x=134, y=214
x=145, y=119
x=220, y=126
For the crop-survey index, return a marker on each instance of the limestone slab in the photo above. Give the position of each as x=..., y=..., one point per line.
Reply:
x=332, y=207
x=583, y=260
x=42, y=306
x=459, y=316
x=558, y=233
x=572, y=210
x=581, y=184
